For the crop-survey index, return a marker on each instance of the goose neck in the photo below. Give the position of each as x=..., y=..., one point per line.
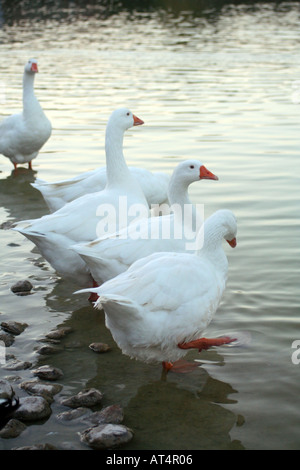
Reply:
x=116, y=166
x=29, y=99
x=210, y=245
x=178, y=193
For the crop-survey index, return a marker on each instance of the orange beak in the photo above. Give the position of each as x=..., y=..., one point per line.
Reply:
x=137, y=121
x=232, y=242
x=34, y=67
x=205, y=174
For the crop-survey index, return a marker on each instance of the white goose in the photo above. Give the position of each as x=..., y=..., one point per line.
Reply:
x=23, y=135
x=56, y=195
x=83, y=219
x=108, y=256
x=160, y=307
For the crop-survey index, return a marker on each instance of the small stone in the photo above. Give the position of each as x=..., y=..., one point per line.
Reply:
x=99, y=347
x=13, y=428
x=48, y=349
x=6, y=390
x=86, y=398
x=106, y=436
x=13, y=327
x=240, y=420
x=32, y=409
x=50, y=341
x=48, y=373
x=13, y=378
x=37, y=447
x=112, y=414
x=16, y=364
x=59, y=333
x=7, y=225
x=7, y=338
x=22, y=287
x=35, y=387
x=70, y=416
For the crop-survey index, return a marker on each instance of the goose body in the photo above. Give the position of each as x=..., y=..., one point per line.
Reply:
x=22, y=135
x=162, y=304
x=85, y=218
x=56, y=195
x=108, y=256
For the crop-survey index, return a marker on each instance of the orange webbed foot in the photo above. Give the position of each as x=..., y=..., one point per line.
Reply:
x=206, y=343
x=180, y=366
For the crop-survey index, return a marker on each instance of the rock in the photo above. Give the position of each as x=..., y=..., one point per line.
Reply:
x=34, y=387
x=7, y=338
x=106, y=436
x=6, y=390
x=22, y=287
x=7, y=225
x=16, y=364
x=112, y=414
x=13, y=327
x=13, y=428
x=59, y=333
x=32, y=409
x=48, y=373
x=99, y=347
x=37, y=447
x=71, y=416
x=86, y=398
x=48, y=349
x=13, y=378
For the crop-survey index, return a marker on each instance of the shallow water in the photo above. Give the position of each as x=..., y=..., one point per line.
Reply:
x=224, y=88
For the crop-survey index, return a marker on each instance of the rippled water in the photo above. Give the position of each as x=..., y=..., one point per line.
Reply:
x=222, y=88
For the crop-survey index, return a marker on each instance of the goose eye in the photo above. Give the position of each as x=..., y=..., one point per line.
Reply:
x=192, y=167
x=128, y=114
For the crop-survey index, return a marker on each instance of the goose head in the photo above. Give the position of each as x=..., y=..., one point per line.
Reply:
x=227, y=225
x=123, y=118
x=192, y=170
x=184, y=174
x=222, y=224
x=31, y=66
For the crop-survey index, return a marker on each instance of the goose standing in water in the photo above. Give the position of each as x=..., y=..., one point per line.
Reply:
x=84, y=218
x=159, y=308
x=22, y=135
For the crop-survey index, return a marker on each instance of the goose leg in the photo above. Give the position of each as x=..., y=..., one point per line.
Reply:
x=94, y=296
x=179, y=366
x=167, y=365
x=30, y=165
x=206, y=343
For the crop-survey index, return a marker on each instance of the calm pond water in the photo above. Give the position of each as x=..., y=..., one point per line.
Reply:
x=224, y=88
